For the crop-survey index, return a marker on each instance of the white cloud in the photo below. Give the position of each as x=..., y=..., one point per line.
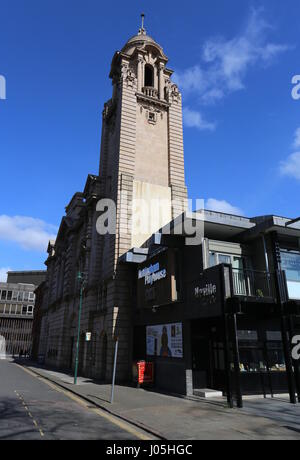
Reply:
x=291, y=167
x=3, y=274
x=296, y=143
x=222, y=206
x=194, y=119
x=28, y=232
x=225, y=63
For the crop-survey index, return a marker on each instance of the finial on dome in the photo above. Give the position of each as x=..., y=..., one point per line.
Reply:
x=142, y=31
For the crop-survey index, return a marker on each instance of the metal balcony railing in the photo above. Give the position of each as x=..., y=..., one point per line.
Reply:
x=251, y=283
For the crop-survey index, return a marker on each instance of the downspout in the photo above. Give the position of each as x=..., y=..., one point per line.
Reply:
x=266, y=253
x=267, y=262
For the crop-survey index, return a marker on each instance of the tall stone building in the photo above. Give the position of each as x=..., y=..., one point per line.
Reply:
x=142, y=172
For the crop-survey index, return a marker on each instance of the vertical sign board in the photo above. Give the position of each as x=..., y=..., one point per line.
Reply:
x=156, y=283
x=205, y=294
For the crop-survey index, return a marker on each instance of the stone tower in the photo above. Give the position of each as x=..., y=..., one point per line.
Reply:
x=141, y=162
x=142, y=141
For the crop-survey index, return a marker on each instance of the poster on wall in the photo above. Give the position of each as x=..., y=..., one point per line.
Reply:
x=165, y=340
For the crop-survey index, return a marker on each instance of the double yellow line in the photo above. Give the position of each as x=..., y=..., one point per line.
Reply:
x=30, y=414
x=123, y=425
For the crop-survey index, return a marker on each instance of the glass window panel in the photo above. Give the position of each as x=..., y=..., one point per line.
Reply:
x=9, y=295
x=24, y=310
x=274, y=335
x=294, y=289
x=291, y=264
x=247, y=335
x=212, y=259
x=20, y=296
x=26, y=295
x=224, y=259
x=276, y=357
x=3, y=295
x=237, y=262
x=15, y=295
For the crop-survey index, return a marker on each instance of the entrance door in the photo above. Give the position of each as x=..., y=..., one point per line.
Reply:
x=201, y=353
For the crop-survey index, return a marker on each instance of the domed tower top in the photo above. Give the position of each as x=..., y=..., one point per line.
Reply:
x=139, y=48
x=141, y=41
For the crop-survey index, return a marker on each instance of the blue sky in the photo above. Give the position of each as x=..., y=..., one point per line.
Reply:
x=234, y=62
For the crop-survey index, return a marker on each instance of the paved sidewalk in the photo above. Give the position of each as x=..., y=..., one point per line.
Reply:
x=176, y=418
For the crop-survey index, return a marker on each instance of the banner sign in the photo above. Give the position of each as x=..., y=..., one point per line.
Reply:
x=165, y=340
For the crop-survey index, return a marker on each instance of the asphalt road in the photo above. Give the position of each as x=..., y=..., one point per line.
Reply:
x=32, y=409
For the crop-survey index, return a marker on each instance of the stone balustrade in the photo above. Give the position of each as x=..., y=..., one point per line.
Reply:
x=150, y=91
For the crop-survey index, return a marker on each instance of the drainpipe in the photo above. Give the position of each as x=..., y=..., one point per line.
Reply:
x=267, y=262
x=266, y=253
x=205, y=253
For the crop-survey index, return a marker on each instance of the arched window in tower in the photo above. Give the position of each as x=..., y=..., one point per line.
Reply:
x=149, y=75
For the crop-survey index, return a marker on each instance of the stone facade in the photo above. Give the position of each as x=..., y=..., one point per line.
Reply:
x=17, y=305
x=141, y=159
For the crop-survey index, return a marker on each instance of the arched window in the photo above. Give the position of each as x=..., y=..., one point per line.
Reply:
x=149, y=75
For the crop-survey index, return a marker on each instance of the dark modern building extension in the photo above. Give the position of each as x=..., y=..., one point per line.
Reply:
x=220, y=315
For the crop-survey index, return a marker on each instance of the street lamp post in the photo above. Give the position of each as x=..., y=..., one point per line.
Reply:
x=81, y=280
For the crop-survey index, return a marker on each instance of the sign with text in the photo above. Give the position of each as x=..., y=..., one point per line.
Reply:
x=205, y=293
x=156, y=280
x=165, y=340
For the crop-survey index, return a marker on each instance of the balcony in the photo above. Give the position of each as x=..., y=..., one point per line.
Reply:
x=253, y=284
x=150, y=91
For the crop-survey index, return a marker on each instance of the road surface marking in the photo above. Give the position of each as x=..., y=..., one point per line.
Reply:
x=29, y=413
x=123, y=425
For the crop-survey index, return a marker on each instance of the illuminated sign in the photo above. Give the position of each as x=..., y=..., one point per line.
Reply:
x=152, y=274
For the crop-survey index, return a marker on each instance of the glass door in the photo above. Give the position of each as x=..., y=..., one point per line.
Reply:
x=241, y=280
